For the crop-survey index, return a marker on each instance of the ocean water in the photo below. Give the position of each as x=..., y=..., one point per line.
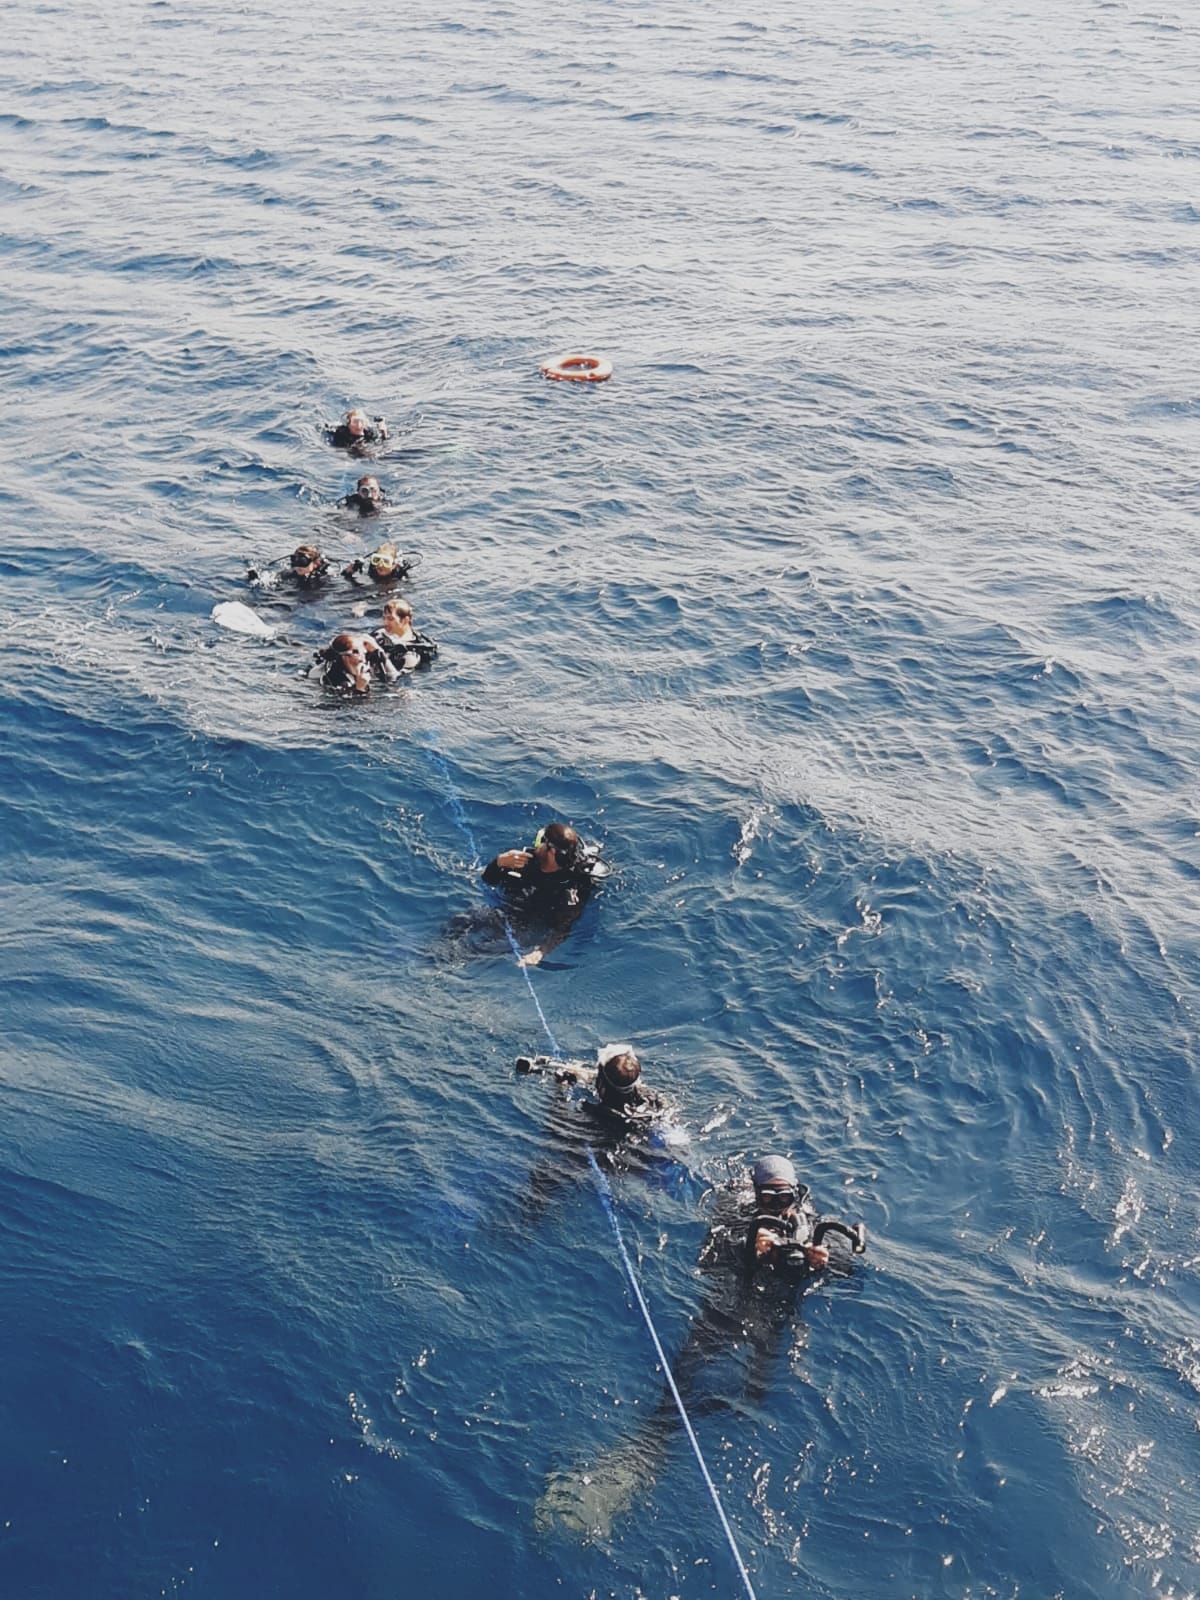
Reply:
x=856, y=616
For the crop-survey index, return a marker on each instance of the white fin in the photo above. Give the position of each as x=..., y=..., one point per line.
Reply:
x=232, y=614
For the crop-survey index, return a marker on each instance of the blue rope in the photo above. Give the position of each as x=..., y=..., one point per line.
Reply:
x=606, y=1195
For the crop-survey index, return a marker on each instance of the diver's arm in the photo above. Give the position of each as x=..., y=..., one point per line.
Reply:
x=573, y=1072
x=767, y=1243
x=379, y=661
x=507, y=861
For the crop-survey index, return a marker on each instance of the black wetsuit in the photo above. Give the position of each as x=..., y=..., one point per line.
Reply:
x=750, y=1312
x=362, y=564
x=618, y=1133
x=363, y=504
x=335, y=675
x=790, y=1232
x=279, y=576
x=399, y=651
x=555, y=898
x=625, y=1119
x=342, y=439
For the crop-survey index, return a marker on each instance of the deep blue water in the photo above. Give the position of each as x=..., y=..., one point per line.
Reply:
x=856, y=615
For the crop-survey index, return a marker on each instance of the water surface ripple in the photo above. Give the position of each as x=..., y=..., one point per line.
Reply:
x=857, y=615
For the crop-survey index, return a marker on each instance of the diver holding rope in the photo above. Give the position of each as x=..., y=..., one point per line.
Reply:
x=619, y=1099
x=625, y=1125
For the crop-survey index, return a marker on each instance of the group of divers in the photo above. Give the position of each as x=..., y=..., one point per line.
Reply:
x=767, y=1236
x=356, y=658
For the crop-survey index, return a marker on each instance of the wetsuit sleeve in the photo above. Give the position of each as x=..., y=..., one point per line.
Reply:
x=576, y=1072
x=493, y=873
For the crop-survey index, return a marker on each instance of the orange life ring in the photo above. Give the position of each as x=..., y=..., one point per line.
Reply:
x=578, y=369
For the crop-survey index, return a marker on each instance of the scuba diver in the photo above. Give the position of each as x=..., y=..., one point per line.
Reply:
x=383, y=566
x=625, y=1125
x=368, y=499
x=765, y=1245
x=621, y=1103
x=357, y=432
x=785, y=1233
x=306, y=568
x=351, y=661
x=403, y=645
x=549, y=884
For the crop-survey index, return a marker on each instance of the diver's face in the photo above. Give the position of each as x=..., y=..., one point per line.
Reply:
x=368, y=489
x=305, y=566
x=778, y=1198
x=356, y=423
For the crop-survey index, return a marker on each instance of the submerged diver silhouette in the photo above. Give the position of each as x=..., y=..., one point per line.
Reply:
x=765, y=1242
x=626, y=1126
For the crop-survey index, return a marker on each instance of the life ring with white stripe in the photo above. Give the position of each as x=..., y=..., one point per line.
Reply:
x=578, y=369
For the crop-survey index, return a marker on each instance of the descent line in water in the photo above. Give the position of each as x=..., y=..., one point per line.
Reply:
x=437, y=760
x=606, y=1196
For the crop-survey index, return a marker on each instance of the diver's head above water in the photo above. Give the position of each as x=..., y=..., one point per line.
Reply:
x=618, y=1071
x=384, y=563
x=557, y=848
x=306, y=563
x=397, y=616
x=349, y=649
x=350, y=660
x=776, y=1187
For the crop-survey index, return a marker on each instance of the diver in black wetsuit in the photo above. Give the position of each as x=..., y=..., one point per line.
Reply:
x=351, y=661
x=620, y=1121
x=307, y=568
x=785, y=1233
x=368, y=498
x=406, y=649
x=384, y=566
x=549, y=884
x=622, y=1103
x=357, y=432
x=757, y=1256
